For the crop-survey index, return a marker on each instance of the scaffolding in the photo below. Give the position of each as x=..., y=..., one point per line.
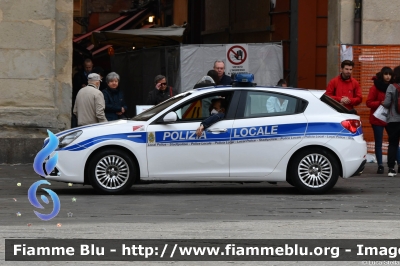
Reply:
x=369, y=60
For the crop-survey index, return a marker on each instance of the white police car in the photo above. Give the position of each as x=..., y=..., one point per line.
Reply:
x=268, y=134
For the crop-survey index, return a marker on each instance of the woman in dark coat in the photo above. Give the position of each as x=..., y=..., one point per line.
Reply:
x=114, y=98
x=376, y=96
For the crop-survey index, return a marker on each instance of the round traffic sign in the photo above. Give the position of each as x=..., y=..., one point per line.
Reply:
x=236, y=55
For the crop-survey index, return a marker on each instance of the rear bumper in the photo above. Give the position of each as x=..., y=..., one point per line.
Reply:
x=351, y=152
x=360, y=169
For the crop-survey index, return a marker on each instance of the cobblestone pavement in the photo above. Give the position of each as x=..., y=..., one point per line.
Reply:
x=359, y=207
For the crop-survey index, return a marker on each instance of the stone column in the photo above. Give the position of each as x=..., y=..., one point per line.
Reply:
x=35, y=74
x=346, y=17
x=340, y=31
x=333, y=39
x=380, y=22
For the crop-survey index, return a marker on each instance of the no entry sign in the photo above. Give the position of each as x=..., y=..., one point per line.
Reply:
x=236, y=58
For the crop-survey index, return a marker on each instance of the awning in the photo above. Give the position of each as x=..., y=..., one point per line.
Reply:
x=140, y=37
x=109, y=24
x=108, y=46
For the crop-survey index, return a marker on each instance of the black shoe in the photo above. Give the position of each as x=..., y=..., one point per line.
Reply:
x=392, y=172
x=380, y=169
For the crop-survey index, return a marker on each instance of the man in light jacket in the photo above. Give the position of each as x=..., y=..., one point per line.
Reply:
x=89, y=105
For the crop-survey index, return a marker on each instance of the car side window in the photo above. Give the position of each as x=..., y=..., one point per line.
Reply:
x=260, y=104
x=199, y=108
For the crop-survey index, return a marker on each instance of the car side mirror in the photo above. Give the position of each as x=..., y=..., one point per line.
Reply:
x=170, y=117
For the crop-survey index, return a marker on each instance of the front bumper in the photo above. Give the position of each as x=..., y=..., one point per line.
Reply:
x=70, y=167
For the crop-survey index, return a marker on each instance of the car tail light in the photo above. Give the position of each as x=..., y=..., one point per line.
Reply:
x=351, y=125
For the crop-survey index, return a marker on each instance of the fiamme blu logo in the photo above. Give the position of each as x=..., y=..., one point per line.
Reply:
x=46, y=158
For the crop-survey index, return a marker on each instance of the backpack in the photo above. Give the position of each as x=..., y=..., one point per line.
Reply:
x=397, y=101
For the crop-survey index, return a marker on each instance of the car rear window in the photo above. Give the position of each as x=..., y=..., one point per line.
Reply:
x=335, y=105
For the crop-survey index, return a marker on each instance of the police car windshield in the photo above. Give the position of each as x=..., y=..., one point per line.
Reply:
x=149, y=113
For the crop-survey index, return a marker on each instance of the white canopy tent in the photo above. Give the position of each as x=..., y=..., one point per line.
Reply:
x=184, y=65
x=265, y=62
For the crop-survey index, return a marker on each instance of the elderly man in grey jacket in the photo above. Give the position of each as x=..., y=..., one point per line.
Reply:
x=89, y=105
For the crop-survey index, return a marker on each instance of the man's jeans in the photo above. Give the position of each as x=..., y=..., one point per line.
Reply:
x=393, y=130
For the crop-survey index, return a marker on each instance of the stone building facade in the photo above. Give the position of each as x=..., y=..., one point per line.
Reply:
x=93, y=13
x=379, y=25
x=36, y=60
x=35, y=74
x=312, y=30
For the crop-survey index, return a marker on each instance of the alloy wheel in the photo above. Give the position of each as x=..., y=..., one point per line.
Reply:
x=315, y=170
x=112, y=172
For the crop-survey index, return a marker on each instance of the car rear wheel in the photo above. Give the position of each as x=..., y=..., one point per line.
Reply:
x=290, y=181
x=314, y=170
x=112, y=171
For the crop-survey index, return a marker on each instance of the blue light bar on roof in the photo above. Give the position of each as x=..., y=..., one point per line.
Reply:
x=244, y=77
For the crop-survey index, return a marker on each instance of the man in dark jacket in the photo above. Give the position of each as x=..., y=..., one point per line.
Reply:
x=161, y=91
x=219, y=66
x=80, y=79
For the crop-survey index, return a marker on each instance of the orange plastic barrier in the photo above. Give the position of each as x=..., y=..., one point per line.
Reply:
x=368, y=60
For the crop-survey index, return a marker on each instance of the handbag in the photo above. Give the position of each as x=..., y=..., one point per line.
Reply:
x=382, y=113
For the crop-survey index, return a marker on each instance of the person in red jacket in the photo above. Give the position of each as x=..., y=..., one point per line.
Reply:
x=376, y=96
x=345, y=89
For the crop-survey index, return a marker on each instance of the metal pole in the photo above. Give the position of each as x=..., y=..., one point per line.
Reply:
x=294, y=32
x=357, y=22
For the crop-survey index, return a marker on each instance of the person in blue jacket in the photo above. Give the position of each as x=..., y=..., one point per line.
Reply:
x=217, y=113
x=114, y=98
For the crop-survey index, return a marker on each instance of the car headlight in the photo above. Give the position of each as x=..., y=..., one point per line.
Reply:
x=67, y=139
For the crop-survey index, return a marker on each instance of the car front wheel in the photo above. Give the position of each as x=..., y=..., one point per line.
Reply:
x=112, y=171
x=314, y=170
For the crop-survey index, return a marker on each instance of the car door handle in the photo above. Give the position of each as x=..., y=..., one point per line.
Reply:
x=217, y=130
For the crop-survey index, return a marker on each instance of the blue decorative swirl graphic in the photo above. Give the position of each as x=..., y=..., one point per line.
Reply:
x=44, y=153
x=33, y=200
